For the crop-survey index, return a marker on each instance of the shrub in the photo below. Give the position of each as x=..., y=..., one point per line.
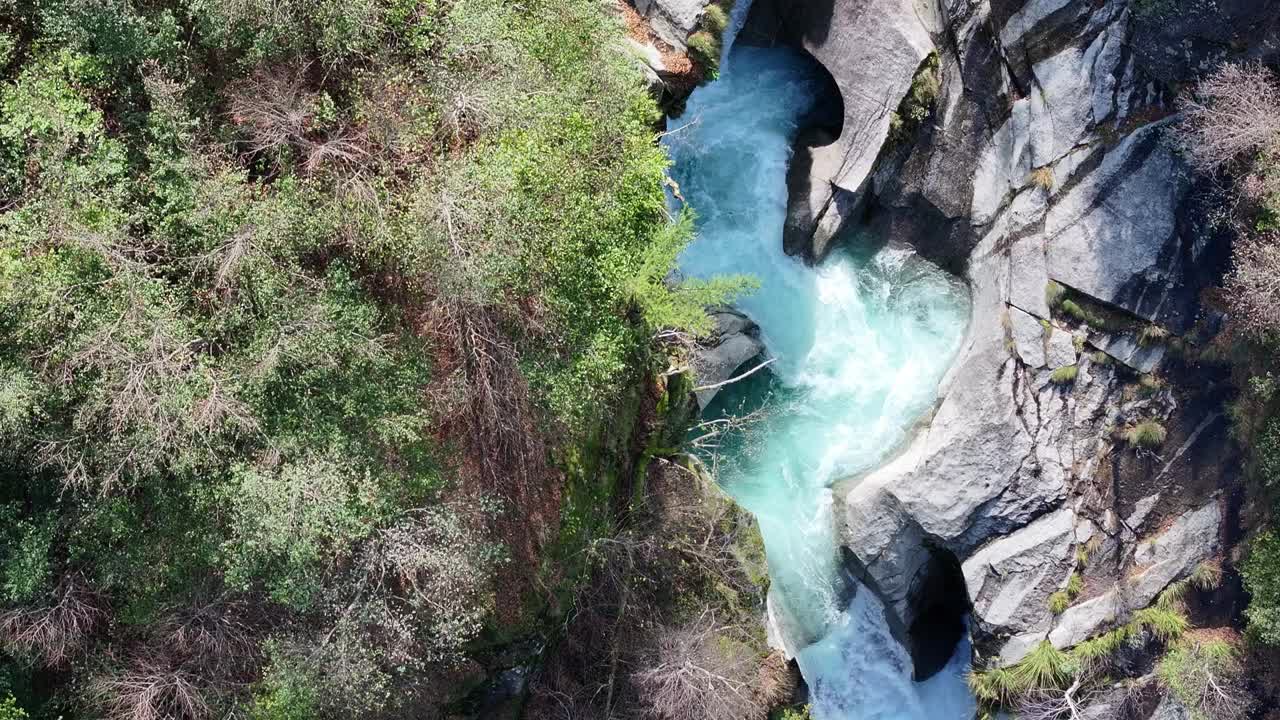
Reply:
x=9, y=709
x=715, y=19
x=1064, y=375
x=1073, y=310
x=1233, y=112
x=792, y=713
x=1207, y=678
x=1146, y=435
x=705, y=48
x=1152, y=335
x=917, y=105
x=1261, y=572
x=1252, y=293
x=1265, y=453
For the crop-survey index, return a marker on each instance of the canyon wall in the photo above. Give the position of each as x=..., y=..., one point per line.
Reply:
x=1045, y=174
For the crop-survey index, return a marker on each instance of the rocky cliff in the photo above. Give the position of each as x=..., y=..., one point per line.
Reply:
x=1044, y=174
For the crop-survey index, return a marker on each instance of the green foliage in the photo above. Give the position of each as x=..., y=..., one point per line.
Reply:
x=1098, y=650
x=1261, y=572
x=1073, y=310
x=793, y=713
x=919, y=102
x=1043, y=668
x=1265, y=453
x=1059, y=601
x=1203, y=677
x=705, y=48
x=24, y=556
x=9, y=709
x=684, y=306
x=291, y=523
x=1165, y=623
x=1075, y=585
x=1146, y=435
x=253, y=259
x=715, y=19
x=1064, y=375
x=287, y=691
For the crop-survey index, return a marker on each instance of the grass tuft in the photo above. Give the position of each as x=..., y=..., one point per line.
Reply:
x=1045, y=667
x=1152, y=335
x=715, y=19
x=1073, y=310
x=1065, y=375
x=1146, y=435
x=1207, y=575
x=1042, y=177
x=1059, y=602
x=1165, y=623
x=1053, y=294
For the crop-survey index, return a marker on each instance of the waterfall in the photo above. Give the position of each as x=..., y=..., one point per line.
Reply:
x=860, y=344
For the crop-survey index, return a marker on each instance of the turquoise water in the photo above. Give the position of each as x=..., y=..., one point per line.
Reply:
x=860, y=344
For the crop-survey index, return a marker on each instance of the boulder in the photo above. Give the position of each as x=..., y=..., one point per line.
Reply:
x=1114, y=236
x=735, y=341
x=672, y=20
x=1010, y=579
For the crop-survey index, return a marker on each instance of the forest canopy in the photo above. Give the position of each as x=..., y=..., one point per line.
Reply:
x=308, y=311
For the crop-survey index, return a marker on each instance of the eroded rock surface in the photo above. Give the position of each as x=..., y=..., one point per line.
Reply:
x=1045, y=163
x=735, y=341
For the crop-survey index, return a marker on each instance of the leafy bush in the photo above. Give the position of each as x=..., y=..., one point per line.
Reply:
x=705, y=49
x=1265, y=453
x=289, y=292
x=918, y=104
x=1261, y=572
x=9, y=709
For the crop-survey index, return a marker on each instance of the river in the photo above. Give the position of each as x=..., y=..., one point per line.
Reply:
x=859, y=343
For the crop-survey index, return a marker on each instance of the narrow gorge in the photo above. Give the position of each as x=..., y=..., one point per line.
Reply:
x=960, y=452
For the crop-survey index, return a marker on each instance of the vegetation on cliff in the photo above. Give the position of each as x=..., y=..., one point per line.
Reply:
x=323, y=331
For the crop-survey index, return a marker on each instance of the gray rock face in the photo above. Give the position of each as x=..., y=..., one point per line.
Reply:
x=735, y=341
x=1040, y=163
x=1034, y=168
x=1114, y=235
x=1010, y=579
x=672, y=20
x=872, y=49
